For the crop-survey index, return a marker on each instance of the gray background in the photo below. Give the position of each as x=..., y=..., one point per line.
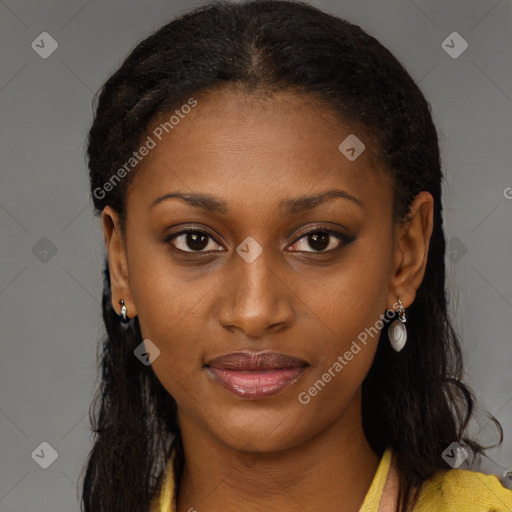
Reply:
x=49, y=303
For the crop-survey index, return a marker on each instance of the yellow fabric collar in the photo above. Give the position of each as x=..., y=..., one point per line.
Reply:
x=373, y=496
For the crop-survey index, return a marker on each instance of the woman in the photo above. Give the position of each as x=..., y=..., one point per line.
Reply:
x=269, y=182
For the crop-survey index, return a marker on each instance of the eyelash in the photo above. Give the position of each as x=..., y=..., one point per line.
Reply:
x=342, y=237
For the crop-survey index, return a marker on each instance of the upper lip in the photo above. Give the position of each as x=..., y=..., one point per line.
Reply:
x=269, y=360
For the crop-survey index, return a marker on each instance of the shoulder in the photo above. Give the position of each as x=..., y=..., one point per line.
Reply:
x=460, y=490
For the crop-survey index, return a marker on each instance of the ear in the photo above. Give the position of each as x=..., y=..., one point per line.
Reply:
x=412, y=240
x=117, y=261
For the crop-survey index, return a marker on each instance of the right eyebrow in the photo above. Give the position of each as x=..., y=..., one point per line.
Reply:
x=203, y=201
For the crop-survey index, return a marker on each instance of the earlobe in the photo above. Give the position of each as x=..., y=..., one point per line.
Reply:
x=118, y=266
x=411, y=250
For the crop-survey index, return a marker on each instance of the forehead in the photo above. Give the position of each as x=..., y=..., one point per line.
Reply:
x=235, y=145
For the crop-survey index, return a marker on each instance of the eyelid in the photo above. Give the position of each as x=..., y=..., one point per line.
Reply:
x=344, y=238
x=323, y=229
x=168, y=239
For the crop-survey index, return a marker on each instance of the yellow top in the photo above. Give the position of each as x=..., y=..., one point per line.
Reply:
x=453, y=490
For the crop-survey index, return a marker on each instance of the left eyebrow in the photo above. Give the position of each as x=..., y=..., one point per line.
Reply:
x=296, y=205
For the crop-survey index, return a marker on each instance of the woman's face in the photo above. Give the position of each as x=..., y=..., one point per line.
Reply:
x=256, y=282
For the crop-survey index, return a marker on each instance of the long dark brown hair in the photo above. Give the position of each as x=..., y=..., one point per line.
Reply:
x=415, y=400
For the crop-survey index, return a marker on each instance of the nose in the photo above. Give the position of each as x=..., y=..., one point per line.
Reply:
x=256, y=299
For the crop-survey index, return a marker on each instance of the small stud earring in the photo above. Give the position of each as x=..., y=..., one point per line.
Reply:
x=123, y=309
x=397, y=331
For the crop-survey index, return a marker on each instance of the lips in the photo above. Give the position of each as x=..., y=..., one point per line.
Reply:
x=253, y=375
x=256, y=361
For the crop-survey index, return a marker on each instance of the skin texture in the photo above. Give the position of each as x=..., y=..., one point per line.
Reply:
x=274, y=454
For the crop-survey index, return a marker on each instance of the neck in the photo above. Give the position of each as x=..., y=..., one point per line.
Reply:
x=331, y=472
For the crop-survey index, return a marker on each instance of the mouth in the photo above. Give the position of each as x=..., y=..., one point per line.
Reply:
x=254, y=376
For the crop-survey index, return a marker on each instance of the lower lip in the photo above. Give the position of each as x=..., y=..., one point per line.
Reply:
x=254, y=385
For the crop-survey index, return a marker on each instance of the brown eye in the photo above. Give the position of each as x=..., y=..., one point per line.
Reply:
x=192, y=241
x=321, y=240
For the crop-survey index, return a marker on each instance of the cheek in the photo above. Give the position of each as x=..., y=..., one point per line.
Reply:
x=348, y=308
x=165, y=294
x=349, y=327
x=350, y=299
x=170, y=311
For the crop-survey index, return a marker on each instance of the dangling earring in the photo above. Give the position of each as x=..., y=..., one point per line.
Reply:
x=123, y=309
x=397, y=331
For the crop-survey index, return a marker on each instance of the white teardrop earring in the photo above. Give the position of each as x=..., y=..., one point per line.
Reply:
x=397, y=331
